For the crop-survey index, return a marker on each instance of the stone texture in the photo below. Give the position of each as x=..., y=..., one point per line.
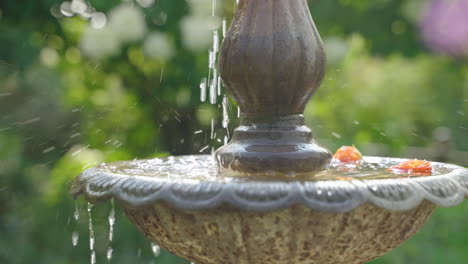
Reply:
x=297, y=234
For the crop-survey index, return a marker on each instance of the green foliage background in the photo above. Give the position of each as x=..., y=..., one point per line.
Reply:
x=56, y=121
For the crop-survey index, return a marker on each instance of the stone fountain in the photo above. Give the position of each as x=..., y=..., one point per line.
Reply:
x=272, y=194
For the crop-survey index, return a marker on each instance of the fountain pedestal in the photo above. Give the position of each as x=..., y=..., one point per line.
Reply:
x=262, y=200
x=272, y=61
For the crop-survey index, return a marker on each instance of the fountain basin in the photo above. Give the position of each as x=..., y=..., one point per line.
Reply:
x=296, y=234
x=183, y=206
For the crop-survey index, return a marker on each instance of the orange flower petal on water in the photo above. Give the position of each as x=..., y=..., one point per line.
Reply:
x=415, y=165
x=348, y=154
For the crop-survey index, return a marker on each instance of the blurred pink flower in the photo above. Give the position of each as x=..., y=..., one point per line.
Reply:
x=444, y=27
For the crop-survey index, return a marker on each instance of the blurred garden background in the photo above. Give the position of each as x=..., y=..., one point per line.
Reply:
x=85, y=82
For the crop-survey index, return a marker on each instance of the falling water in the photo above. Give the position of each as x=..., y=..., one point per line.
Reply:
x=225, y=122
x=215, y=41
x=155, y=249
x=212, y=134
x=111, y=219
x=75, y=237
x=213, y=87
x=109, y=253
x=203, y=90
x=224, y=27
x=76, y=216
x=91, y=235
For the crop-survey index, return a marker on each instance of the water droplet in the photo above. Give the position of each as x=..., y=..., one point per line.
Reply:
x=213, y=86
x=225, y=121
x=109, y=253
x=91, y=230
x=111, y=219
x=336, y=135
x=75, y=238
x=93, y=257
x=204, y=148
x=211, y=59
x=212, y=128
x=156, y=249
x=76, y=214
x=219, y=85
x=215, y=41
x=203, y=90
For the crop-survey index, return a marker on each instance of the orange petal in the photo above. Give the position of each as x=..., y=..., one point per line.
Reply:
x=348, y=154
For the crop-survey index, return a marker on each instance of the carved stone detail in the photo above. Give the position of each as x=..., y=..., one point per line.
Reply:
x=398, y=194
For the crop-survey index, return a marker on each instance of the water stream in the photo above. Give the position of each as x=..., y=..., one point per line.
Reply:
x=91, y=234
x=111, y=219
x=76, y=216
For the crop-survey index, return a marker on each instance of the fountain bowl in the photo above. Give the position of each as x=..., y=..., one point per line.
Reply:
x=183, y=206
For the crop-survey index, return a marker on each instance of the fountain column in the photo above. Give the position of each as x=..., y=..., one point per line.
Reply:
x=272, y=62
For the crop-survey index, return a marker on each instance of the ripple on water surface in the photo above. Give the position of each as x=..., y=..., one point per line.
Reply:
x=203, y=167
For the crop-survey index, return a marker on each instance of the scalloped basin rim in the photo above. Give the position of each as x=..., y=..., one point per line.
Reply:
x=337, y=196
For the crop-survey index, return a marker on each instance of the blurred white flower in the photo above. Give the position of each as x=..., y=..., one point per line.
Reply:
x=145, y=3
x=78, y=6
x=49, y=57
x=66, y=10
x=127, y=22
x=100, y=43
x=158, y=46
x=205, y=7
x=197, y=32
x=98, y=20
